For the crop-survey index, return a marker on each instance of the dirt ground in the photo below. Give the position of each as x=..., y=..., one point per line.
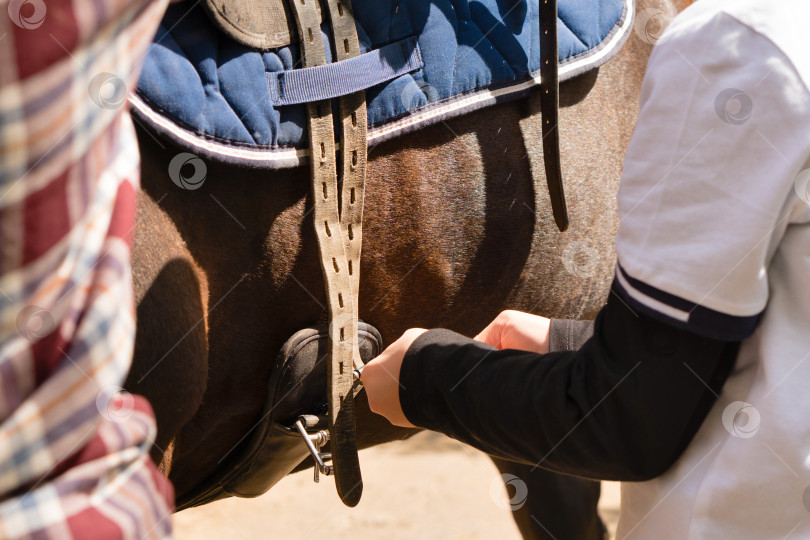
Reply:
x=428, y=487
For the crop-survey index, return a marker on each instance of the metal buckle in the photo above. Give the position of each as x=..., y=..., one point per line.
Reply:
x=315, y=441
x=356, y=376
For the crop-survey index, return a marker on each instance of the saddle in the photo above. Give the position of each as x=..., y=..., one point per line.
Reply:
x=266, y=83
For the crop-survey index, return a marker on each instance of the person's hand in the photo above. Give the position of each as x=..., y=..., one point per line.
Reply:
x=517, y=330
x=381, y=379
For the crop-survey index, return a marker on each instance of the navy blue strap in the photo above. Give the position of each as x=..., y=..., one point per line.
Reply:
x=345, y=77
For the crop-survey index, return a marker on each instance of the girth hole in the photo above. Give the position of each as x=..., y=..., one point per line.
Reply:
x=326, y=227
x=311, y=38
x=351, y=195
x=346, y=45
x=340, y=365
x=351, y=237
x=335, y=264
x=350, y=265
x=342, y=339
x=340, y=298
x=323, y=150
x=340, y=9
x=354, y=157
x=354, y=119
x=324, y=191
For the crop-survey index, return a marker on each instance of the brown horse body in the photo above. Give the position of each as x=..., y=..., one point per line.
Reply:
x=457, y=228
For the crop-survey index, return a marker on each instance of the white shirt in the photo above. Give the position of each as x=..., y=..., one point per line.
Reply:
x=715, y=237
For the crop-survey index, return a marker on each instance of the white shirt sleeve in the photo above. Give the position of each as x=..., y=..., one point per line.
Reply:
x=708, y=181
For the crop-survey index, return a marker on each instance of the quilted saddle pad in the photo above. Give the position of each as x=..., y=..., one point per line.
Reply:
x=423, y=61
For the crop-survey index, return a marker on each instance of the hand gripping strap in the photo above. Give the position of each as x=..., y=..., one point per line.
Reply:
x=549, y=107
x=337, y=252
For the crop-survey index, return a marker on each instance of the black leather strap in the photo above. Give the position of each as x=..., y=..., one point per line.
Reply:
x=549, y=108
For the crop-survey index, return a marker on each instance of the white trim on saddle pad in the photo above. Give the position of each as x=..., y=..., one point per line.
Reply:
x=279, y=158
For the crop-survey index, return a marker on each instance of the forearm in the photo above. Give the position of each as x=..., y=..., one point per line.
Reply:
x=622, y=407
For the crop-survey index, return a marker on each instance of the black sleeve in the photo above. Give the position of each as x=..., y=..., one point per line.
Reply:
x=568, y=335
x=623, y=406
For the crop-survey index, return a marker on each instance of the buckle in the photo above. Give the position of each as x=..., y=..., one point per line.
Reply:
x=315, y=441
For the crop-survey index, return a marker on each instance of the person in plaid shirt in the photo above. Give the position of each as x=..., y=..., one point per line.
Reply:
x=74, y=459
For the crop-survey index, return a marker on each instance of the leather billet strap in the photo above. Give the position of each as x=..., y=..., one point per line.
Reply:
x=549, y=109
x=354, y=150
x=338, y=240
x=354, y=154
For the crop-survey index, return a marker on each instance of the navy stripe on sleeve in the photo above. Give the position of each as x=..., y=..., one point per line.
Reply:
x=682, y=313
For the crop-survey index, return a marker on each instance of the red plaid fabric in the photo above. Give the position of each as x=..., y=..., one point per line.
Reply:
x=74, y=459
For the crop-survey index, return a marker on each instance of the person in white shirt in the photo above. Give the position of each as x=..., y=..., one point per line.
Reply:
x=692, y=386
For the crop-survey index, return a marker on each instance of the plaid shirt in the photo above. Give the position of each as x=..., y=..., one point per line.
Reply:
x=74, y=458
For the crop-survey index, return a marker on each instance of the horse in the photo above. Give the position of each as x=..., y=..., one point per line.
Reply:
x=457, y=228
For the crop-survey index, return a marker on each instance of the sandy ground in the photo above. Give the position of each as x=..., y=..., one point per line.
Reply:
x=427, y=487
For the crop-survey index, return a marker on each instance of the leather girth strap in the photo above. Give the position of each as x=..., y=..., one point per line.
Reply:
x=549, y=109
x=339, y=233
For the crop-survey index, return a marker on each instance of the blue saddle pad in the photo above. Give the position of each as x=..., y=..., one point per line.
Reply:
x=423, y=61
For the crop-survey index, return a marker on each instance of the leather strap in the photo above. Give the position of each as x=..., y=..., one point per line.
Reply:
x=549, y=109
x=354, y=149
x=339, y=243
x=354, y=153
